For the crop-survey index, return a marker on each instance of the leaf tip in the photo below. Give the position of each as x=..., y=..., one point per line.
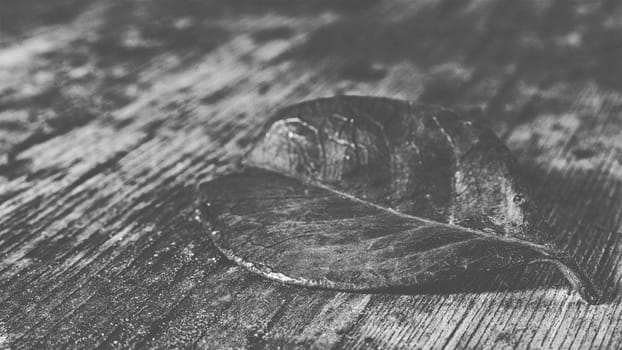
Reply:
x=579, y=280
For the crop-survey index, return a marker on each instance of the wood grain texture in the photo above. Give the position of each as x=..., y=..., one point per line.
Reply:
x=112, y=113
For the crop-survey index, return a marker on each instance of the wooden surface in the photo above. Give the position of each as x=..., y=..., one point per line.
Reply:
x=112, y=112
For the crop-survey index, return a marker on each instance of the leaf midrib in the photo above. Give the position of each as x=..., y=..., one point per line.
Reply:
x=538, y=247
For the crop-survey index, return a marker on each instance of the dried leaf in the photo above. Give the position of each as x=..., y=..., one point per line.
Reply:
x=363, y=193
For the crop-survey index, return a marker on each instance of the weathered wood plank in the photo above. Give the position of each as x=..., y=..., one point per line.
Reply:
x=111, y=113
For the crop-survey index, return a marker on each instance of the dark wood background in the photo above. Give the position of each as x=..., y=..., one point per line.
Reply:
x=111, y=113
